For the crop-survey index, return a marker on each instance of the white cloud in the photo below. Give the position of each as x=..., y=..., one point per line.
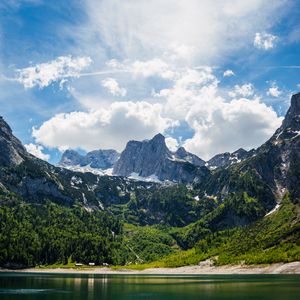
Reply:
x=228, y=73
x=42, y=75
x=111, y=127
x=172, y=143
x=144, y=68
x=245, y=90
x=219, y=124
x=192, y=96
x=264, y=40
x=37, y=150
x=154, y=67
x=180, y=98
x=113, y=87
x=231, y=125
x=204, y=31
x=274, y=91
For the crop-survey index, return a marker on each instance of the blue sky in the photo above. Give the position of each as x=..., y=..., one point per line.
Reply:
x=90, y=74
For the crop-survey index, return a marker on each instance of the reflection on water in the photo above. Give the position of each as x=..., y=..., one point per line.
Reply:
x=115, y=287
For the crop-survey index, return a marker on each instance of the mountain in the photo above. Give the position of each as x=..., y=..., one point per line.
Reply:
x=226, y=159
x=92, y=161
x=278, y=160
x=255, y=187
x=245, y=211
x=36, y=181
x=152, y=158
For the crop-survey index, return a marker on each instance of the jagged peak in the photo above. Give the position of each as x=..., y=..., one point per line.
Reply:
x=4, y=127
x=12, y=152
x=295, y=101
x=181, y=150
x=240, y=151
x=292, y=118
x=158, y=137
x=70, y=151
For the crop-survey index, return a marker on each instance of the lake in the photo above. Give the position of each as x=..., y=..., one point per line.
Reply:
x=59, y=287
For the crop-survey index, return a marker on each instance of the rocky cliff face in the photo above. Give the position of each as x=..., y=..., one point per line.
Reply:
x=98, y=159
x=153, y=158
x=12, y=151
x=282, y=152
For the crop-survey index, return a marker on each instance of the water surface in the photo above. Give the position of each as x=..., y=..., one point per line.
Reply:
x=115, y=287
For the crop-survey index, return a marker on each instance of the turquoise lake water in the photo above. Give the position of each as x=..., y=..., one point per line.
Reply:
x=114, y=287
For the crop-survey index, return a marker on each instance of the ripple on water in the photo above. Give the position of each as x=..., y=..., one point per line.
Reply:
x=24, y=291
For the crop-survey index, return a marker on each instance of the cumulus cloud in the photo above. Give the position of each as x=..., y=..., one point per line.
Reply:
x=42, y=75
x=232, y=125
x=37, y=150
x=113, y=87
x=205, y=31
x=228, y=73
x=245, y=90
x=105, y=128
x=265, y=41
x=219, y=124
x=274, y=91
x=191, y=96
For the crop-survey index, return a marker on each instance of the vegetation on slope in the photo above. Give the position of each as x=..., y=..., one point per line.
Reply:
x=41, y=234
x=275, y=238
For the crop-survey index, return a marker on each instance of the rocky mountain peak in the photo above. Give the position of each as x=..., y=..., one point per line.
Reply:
x=226, y=159
x=240, y=151
x=159, y=138
x=97, y=159
x=5, y=130
x=152, y=158
x=292, y=118
x=70, y=158
x=159, y=143
x=181, y=152
x=12, y=151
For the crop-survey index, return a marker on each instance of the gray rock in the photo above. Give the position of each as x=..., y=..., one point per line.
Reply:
x=12, y=151
x=153, y=158
x=98, y=159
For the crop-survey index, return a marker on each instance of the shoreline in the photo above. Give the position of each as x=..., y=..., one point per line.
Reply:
x=278, y=268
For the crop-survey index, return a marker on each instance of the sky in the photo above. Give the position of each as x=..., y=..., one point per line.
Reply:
x=212, y=76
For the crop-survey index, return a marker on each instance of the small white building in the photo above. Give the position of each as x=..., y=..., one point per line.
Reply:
x=91, y=264
x=78, y=264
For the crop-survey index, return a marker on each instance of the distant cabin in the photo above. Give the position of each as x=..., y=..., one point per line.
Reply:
x=91, y=264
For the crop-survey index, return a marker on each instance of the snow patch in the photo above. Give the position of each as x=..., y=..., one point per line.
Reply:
x=151, y=178
x=88, y=168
